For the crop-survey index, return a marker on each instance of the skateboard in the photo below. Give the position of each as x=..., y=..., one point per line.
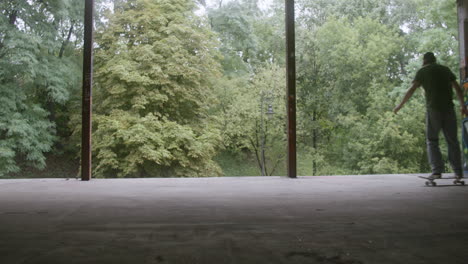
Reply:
x=431, y=182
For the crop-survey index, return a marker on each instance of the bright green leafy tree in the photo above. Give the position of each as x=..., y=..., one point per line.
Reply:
x=154, y=67
x=252, y=118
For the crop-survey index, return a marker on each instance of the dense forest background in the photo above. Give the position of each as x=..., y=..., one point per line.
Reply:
x=188, y=89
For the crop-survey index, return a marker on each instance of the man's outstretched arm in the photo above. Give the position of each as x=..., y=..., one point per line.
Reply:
x=408, y=95
x=459, y=92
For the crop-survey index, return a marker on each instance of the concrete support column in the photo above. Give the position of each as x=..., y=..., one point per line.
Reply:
x=463, y=36
x=463, y=44
x=291, y=87
x=87, y=92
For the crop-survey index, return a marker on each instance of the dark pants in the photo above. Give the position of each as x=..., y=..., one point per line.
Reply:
x=447, y=122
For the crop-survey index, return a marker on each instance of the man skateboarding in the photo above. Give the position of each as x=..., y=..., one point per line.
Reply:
x=437, y=81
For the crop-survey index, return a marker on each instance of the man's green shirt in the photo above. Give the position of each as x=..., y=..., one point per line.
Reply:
x=437, y=81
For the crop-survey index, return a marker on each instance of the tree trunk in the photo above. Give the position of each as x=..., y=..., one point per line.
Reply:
x=255, y=145
x=12, y=17
x=65, y=42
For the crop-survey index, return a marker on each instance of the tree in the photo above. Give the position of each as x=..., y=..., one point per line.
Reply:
x=340, y=78
x=253, y=62
x=436, y=31
x=315, y=125
x=392, y=13
x=379, y=142
x=243, y=117
x=38, y=73
x=154, y=67
x=234, y=24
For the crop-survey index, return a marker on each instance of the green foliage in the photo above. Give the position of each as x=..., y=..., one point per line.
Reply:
x=25, y=131
x=355, y=61
x=234, y=24
x=37, y=72
x=177, y=94
x=245, y=124
x=344, y=82
x=128, y=144
x=437, y=31
x=237, y=163
x=351, y=60
x=249, y=36
x=381, y=142
x=154, y=67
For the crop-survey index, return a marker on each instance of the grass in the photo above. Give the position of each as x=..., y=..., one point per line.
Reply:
x=232, y=164
x=237, y=164
x=58, y=166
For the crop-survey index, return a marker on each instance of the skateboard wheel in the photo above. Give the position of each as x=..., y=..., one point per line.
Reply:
x=462, y=182
x=434, y=184
x=428, y=183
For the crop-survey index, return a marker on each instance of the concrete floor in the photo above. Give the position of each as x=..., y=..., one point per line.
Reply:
x=328, y=220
